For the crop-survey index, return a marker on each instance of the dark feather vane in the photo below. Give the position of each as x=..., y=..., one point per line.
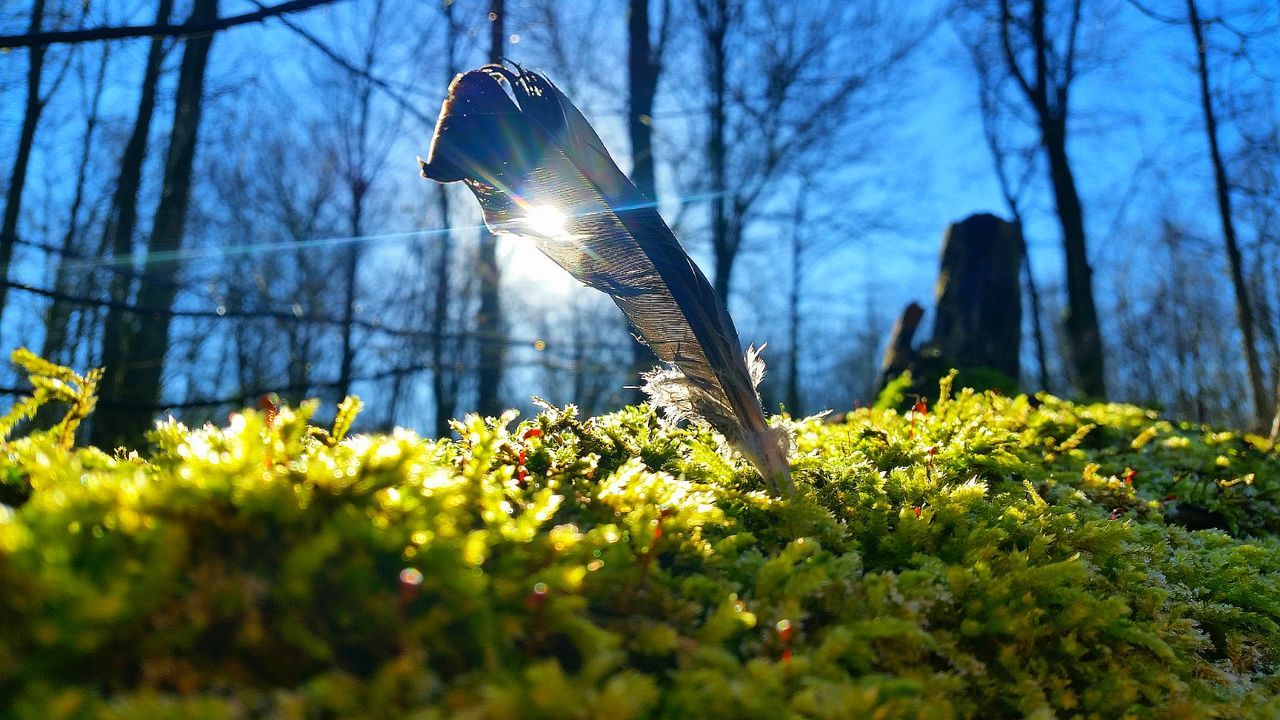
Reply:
x=541, y=172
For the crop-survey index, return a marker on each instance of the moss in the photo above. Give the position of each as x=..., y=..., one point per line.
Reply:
x=992, y=557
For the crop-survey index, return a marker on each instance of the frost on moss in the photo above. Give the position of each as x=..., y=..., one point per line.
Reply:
x=991, y=557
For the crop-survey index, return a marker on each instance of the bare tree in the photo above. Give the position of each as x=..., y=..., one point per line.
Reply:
x=1182, y=363
x=777, y=79
x=1036, y=44
x=1222, y=187
x=444, y=381
x=1246, y=316
x=118, y=232
x=1049, y=94
x=798, y=227
x=1005, y=161
x=1255, y=173
x=812, y=229
x=854, y=377
x=488, y=322
x=716, y=18
x=59, y=315
x=256, y=195
x=26, y=138
x=358, y=152
x=644, y=67
x=577, y=365
x=148, y=340
x=1244, y=310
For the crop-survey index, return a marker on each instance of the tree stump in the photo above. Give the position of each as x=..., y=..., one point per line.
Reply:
x=978, y=320
x=900, y=356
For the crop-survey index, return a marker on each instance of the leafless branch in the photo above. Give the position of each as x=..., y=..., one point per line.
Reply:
x=56, y=37
x=398, y=97
x=1006, y=44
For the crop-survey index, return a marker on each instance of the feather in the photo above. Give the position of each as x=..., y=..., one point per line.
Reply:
x=541, y=172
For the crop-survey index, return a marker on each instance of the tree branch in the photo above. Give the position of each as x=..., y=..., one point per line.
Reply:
x=1166, y=19
x=98, y=34
x=382, y=84
x=1040, y=46
x=656, y=52
x=1069, y=72
x=1006, y=44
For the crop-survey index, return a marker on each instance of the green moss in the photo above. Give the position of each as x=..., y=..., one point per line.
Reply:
x=993, y=557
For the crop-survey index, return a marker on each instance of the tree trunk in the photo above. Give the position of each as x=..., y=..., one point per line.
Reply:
x=443, y=383
x=26, y=138
x=793, y=306
x=1047, y=90
x=1244, y=310
x=1274, y=436
x=350, y=285
x=726, y=253
x=301, y=337
x=715, y=18
x=899, y=355
x=149, y=342
x=978, y=321
x=489, y=316
x=59, y=316
x=117, y=235
x=988, y=107
x=1085, y=347
x=1033, y=300
x=358, y=183
x=642, y=77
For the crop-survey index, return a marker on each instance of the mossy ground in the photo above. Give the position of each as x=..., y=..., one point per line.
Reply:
x=991, y=557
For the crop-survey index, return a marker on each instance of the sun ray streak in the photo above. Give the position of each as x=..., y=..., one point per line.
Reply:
x=227, y=251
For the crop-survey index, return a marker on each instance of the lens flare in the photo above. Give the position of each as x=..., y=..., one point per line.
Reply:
x=546, y=221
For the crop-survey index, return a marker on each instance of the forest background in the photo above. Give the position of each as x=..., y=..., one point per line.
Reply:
x=218, y=199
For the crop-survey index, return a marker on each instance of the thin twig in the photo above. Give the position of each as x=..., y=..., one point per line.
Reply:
x=55, y=37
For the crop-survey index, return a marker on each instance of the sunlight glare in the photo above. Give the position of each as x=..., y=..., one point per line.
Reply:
x=546, y=221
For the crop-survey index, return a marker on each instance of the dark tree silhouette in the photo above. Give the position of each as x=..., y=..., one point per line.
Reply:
x=1044, y=68
x=1222, y=190
x=147, y=339
x=122, y=219
x=716, y=17
x=26, y=138
x=775, y=110
x=58, y=318
x=358, y=150
x=489, y=323
x=444, y=380
x=1005, y=160
x=1262, y=399
x=644, y=67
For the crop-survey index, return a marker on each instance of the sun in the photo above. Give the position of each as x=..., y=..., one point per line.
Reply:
x=528, y=265
x=546, y=221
